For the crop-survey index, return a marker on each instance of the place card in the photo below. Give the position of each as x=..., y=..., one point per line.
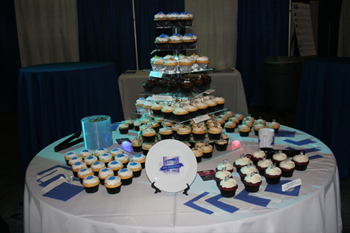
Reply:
x=201, y=118
x=290, y=185
x=162, y=98
x=156, y=74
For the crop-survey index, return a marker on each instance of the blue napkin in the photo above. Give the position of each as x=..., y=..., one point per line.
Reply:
x=315, y=157
x=191, y=204
x=277, y=188
x=64, y=191
x=244, y=196
x=285, y=133
x=115, y=126
x=306, y=150
x=299, y=143
x=51, y=168
x=228, y=208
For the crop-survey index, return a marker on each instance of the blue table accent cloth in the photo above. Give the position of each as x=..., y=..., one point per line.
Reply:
x=323, y=102
x=53, y=98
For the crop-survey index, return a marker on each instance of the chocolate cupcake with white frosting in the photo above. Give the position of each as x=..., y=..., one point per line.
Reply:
x=228, y=187
x=287, y=167
x=252, y=182
x=301, y=162
x=273, y=174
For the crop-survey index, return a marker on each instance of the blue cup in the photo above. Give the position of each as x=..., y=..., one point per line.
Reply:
x=97, y=131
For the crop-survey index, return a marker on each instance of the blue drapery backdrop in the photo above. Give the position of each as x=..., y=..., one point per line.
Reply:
x=106, y=31
x=262, y=30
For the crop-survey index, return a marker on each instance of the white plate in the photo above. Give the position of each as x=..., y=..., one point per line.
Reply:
x=172, y=165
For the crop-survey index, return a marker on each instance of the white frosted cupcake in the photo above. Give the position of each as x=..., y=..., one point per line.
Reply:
x=279, y=157
x=273, y=174
x=91, y=184
x=126, y=176
x=140, y=159
x=90, y=160
x=85, y=153
x=70, y=155
x=116, y=151
x=124, y=158
x=301, y=161
x=106, y=158
x=252, y=182
x=115, y=166
x=113, y=184
x=100, y=151
x=287, y=166
x=135, y=167
x=104, y=173
x=225, y=164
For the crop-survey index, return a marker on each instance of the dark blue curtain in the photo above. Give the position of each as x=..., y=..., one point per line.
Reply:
x=9, y=57
x=262, y=31
x=106, y=31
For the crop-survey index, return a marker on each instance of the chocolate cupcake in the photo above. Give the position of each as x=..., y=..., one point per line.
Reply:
x=221, y=174
x=247, y=170
x=161, y=41
x=252, y=182
x=157, y=109
x=167, y=112
x=273, y=174
x=186, y=86
x=225, y=165
x=181, y=114
x=228, y=187
x=241, y=162
x=130, y=123
x=174, y=85
x=220, y=102
x=301, y=162
x=202, y=108
x=287, y=167
x=161, y=19
x=279, y=157
x=258, y=155
x=262, y=165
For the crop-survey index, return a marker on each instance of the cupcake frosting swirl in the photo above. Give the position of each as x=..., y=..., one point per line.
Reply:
x=255, y=178
x=90, y=180
x=222, y=174
x=301, y=158
x=248, y=170
x=125, y=172
x=112, y=180
x=242, y=161
x=105, y=172
x=287, y=164
x=273, y=171
x=228, y=183
x=264, y=163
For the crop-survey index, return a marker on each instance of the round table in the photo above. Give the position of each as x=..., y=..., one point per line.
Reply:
x=312, y=207
x=53, y=98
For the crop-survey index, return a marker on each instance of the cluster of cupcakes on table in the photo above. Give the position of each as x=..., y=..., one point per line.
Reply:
x=176, y=41
x=179, y=64
x=252, y=167
x=111, y=169
x=173, y=19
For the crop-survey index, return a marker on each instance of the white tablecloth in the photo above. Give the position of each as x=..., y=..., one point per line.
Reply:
x=228, y=85
x=137, y=209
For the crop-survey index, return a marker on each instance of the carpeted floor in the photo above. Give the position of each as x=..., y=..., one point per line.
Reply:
x=12, y=179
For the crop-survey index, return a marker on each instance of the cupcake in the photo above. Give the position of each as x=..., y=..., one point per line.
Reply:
x=241, y=162
x=140, y=159
x=230, y=126
x=234, y=119
x=220, y=101
x=91, y=184
x=104, y=173
x=262, y=165
x=149, y=85
x=106, y=158
x=136, y=168
x=248, y=123
x=239, y=117
x=207, y=151
x=90, y=160
x=70, y=155
x=203, y=62
x=211, y=105
x=258, y=155
x=279, y=157
x=77, y=166
x=221, y=145
x=123, y=128
x=161, y=19
x=301, y=161
x=273, y=174
x=214, y=132
x=257, y=127
x=126, y=175
x=221, y=122
x=175, y=41
x=173, y=85
x=247, y=170
x=137, y=125
x=74, y=160
x=116, y=151
x=97, y=166
x=147, y=105
x=185, y=65
x=149, y=135
x=184, y=133
x=113, y=184
x=181, y=114
x=161, y=42
x=225, y=164
x=115, y=165
x=221, y=174
x=157, y=109
x=224, y=117
x=172, y=19
x=84, y=172
x=274, y=125
x=189, y=41
x=199, y=84
x=130, y=123
x=124, y=158
x=192, y=110
x=155, y=125
x=252, y=182
x=167, y=112
x=146, y=146
x=184, y=19
x=229, y=114
x=186, y=86
x=202, y=108
x=244, y=130
x=166, y=133
x=287, y=167
x=100, y=151
x=199, y=132
x=198, y=153
x=85, y=153
x=228, y=187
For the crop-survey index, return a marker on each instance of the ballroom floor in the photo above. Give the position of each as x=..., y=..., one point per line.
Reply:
x=12, y=179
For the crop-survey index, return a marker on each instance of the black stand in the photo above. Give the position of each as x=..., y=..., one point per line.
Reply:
x=157, y=190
